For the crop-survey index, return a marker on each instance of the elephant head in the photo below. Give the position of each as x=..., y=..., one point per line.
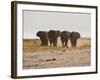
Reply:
x=43, y=37
x=52, y=36
x=73, y=38
x=64, y=37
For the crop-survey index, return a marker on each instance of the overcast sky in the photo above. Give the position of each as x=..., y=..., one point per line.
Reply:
x=34, y=21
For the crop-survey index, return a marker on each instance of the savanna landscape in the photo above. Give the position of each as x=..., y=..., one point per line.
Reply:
x=37, y=56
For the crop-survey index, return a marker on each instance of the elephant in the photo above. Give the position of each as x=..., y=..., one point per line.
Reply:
x=43, y=37
x=74, y=36
x=53, y=36
x=65, y=37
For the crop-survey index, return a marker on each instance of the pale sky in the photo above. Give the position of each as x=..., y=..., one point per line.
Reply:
x=34, y=21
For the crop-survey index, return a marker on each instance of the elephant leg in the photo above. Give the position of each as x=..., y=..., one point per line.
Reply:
x=73, y=42
x=42, y=42
x=54, y=43
x=62, y=43
x=66, y=42
x=45, y=42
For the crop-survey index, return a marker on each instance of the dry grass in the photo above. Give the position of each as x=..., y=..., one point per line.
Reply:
x=34, y=45
x=85, y=42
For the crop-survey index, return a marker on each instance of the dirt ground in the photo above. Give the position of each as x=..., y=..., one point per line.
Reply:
x=36, y=56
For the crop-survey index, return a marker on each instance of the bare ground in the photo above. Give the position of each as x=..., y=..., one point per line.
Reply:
x=46, y=57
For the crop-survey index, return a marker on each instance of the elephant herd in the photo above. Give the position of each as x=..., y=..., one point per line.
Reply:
x=52, y=36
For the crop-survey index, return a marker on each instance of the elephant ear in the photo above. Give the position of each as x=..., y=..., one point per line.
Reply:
x=72, y=35
x=78, y=35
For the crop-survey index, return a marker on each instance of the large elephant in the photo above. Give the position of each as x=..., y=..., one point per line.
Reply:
x=53, y=36
x=73, y=38
x=64, y=38
x=43, y=37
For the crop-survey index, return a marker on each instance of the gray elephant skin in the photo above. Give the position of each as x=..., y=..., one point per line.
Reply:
x=43, y=35
x=74, y=36
x=64, y=38
x=53, y=36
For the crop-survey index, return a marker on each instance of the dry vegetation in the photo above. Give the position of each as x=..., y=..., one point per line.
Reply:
x=36, y=56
